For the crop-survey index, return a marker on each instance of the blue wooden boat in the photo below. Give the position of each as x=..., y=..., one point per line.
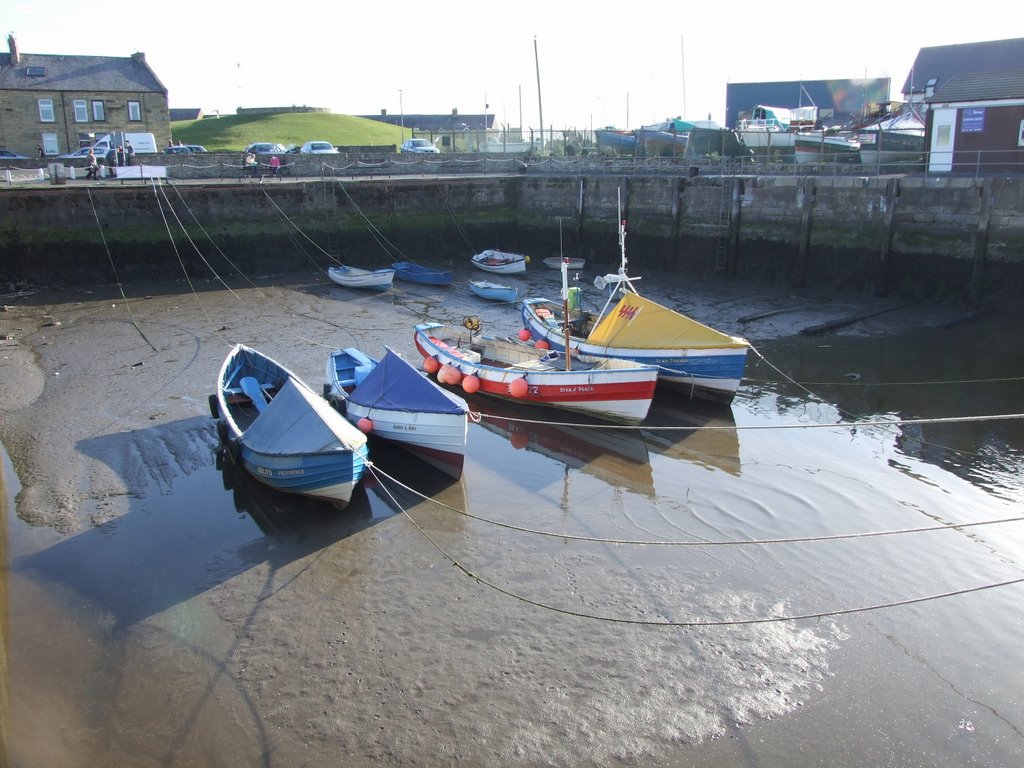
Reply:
x=346, y=369
x=417, y=273
x=493, y=291
x=286, y=435
x=396, y=402
x=612, y=141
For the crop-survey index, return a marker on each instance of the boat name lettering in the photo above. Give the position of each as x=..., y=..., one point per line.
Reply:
x=267, y=472
x=575, y=389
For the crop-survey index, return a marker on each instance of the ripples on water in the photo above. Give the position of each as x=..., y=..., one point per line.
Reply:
x=586, y=543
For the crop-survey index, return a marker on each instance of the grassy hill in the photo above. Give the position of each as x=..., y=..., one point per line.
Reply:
x=233, y=133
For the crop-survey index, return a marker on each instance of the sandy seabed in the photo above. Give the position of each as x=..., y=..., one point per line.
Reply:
x=374, y=649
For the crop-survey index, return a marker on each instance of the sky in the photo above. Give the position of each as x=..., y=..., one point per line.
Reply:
x=597, y=65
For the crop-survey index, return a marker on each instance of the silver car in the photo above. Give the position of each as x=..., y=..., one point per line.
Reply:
x=420, y=146
x=318, y=148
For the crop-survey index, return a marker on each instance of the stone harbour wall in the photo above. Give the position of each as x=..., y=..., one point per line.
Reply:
x=944, y=239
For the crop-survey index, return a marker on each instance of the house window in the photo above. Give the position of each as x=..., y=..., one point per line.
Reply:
x=50, y=144
x=98, y=113
x=134, y=111
x=81, y=112
x=46, y=111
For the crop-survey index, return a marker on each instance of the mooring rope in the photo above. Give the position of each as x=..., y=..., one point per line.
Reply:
x=113, y=268
x=703, y=542
x=465, y=570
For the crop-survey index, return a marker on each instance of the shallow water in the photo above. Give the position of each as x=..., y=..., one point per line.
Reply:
x=714, y=594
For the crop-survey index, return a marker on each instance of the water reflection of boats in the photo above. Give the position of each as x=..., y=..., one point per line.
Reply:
x=282, y=514
x=703, y=433
x=401, y=485
x=617, y=456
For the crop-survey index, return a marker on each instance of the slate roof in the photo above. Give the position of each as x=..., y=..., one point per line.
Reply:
x=943, y=62
x=981, y=86
x=185, y=113
x=79, y=73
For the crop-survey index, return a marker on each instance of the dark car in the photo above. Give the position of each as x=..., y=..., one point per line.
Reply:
x=185, y=149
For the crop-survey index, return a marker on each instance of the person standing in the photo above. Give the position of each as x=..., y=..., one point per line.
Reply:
x=112, y=161
x=120, y=154
x=129, y=153
x=42, y=154
x=94, y=167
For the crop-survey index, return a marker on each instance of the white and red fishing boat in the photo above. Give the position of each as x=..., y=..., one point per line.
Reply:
x=606, y=388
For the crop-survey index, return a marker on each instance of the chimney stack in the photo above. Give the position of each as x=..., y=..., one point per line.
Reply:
x=13, y=45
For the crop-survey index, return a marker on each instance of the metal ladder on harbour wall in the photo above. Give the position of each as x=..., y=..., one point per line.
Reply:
x=722, y=232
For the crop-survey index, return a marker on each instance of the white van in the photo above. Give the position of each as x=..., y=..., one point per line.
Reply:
x=144, y=143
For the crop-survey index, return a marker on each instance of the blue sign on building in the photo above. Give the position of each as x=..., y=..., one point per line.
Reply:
x=973, y=120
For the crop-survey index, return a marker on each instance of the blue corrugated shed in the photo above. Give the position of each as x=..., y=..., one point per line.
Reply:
x=839, y=102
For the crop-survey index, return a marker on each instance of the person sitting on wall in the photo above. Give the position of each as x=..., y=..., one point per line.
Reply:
x=275, y=166
x=250, y=166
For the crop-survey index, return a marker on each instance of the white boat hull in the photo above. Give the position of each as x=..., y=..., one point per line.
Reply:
x=614, y=390
x=370, y=279
x=500, y=262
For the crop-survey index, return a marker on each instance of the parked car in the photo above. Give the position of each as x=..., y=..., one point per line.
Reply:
x=79, y=154
x=421, y=146
x=265, y=148
x=318, y=148
x=185, y=149
x=7, y=154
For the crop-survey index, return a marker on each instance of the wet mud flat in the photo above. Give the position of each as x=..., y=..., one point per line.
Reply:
x=195, y=620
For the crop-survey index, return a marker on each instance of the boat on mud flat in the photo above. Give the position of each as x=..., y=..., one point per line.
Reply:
x=417, y=273
x=485, y=289
x=607, y=388
x=396, y=402
x=690, y=357
x=286, y=435
x=354, y=277
x=501, y=262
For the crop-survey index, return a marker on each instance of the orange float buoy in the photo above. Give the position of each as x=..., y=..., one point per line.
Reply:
x=542, y=344
x=442, y=375
x=431, y=365
x=519, y=439
x=365, y=425
x=470, y=383
x=454, y=375
x=524, y=335
x=518, y=388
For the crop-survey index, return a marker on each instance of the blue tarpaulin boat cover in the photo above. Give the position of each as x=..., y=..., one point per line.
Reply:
x=394, y=384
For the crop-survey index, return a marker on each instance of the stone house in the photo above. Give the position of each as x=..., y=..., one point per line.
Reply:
x=61, y=103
